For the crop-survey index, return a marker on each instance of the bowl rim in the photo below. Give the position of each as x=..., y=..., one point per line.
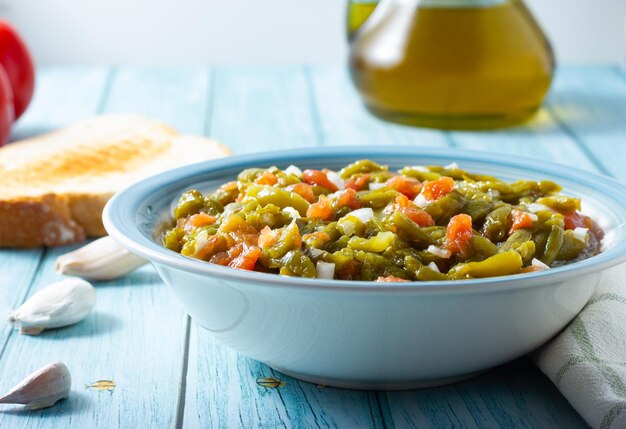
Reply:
x=123, y=205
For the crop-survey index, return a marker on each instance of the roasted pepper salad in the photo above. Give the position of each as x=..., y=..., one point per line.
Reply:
x=366, y=222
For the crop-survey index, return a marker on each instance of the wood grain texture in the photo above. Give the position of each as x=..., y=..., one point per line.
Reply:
x=136, y=336
x=343, y=120
x=590, y=104
x=542, y=138
x=257, y=109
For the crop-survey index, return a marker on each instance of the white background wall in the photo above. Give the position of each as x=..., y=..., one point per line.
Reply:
x=258, y=31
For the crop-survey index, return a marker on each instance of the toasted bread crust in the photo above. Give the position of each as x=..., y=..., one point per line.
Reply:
x=42, y=221
x=53, y=187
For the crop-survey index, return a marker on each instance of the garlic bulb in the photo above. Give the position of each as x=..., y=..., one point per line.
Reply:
x=41, y=389
x=102, y=259
x=60, y=304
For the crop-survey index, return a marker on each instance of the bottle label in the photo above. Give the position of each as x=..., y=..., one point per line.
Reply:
x=460, y=3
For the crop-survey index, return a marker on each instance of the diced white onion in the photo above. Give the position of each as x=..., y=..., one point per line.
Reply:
x=433, y=267
x=580, y=234
x=201, y=240
x=365, y=214
x=539, y=265
x=347, y=227
x=335, y=179
x=536, y=207
x=420, y=201
x=452, y=166
x=325, y=270
x=293, y=213
x=420, y=168
x=292, y=169
x=494, y=193
x=374, y=186
x=533, y=217
x=438, y=251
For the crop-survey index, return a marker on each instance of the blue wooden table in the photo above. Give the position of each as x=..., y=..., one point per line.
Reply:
x=168, y=371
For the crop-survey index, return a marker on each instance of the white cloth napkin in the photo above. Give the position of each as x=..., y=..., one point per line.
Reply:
x=587, y=361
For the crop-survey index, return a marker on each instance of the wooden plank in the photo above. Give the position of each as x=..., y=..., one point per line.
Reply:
x=262, y=108
x=223, y=392
x=542, y=138
x=84, y=88
x=344, y=120
x=513, y=395
x=590, y=104
x=136, y=336
x=62, y=96
x=276, y=110
x=180, y=100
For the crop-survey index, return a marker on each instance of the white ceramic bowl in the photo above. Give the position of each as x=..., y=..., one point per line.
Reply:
x=365, y=334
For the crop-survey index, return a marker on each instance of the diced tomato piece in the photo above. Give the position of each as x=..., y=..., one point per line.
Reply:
x=577, y=220
x=267, y=178
x=405, y=185
x=403, y=201
x=348, y=198
x=418, y=216
x=322, y=209
x=459, y=233
x=520, y=220
x=221, y=258
x=435, y=189
x=214, y=244
x=359, y=183
x=246, y=259
x=304, y=190
x=267, y=238
x=319, y=178
x=390, y=279
x=201, y=219
x=407, y=208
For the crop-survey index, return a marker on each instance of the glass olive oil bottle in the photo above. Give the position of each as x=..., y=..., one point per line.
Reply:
x=452, y=64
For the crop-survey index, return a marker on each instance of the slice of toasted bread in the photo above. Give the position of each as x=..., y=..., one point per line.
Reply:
x=53, y=187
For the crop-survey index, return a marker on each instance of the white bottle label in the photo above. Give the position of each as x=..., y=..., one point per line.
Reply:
x=460, y=3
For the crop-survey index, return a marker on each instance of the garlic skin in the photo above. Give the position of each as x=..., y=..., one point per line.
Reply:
x=102, y=259
x=60, y=304
x=41, y=389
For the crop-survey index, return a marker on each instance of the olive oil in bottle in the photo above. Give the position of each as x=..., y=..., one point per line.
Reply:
x=452, y=64
x=358, y=12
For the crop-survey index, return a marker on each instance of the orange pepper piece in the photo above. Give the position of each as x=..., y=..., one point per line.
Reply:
x=267, y=178
x=359, y=183
x=408, y=186
x=319, y=178
x=520, y=220
x=321, y=209
x=348, y=198
x=435, y=189
x=304, y=190
x=458, y=233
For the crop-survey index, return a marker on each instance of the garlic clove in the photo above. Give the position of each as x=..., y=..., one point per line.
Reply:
x=102, y=259
x=60, y=304
x=43, y=388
